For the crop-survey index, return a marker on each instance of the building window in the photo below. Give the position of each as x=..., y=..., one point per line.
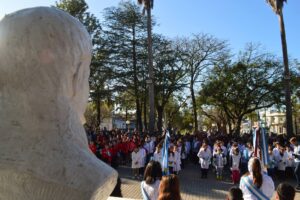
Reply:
x=272, y=119
x=281, y=119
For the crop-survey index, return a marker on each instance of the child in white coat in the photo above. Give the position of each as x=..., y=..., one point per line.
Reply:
x=205, y=155
x=218, y=161
x=235, y=163
x=281, y=160
x=177, y=166
x=135, y=162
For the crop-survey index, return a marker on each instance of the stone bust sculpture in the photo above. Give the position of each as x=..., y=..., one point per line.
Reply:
x=44, y=68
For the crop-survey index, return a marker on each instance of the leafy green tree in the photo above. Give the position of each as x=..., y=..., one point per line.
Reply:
x=277, y=6
x=197, y=54
x=125, y=28
x=252, y=82
x=169, y=76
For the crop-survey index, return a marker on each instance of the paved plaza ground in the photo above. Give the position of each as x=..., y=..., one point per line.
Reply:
x=192, y=187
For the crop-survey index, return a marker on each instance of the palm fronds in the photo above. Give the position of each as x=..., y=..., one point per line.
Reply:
x=276, y=5
x=147, y=3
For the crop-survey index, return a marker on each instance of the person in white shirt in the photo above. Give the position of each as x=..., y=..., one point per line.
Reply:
x=224, y=149
x=135, y=161
x=235, y=163
x=205, y=156
x=218, y=160
x=158, y=154
x=281, y=160
x=177, y=165
x=256, y=185
x=293, y=141
x=187, y=147
x=290, y=162
x=142, y=161
x=171, y=160
x=276, y=152
x=272, y=162
x=246, y=155
x=151, y=181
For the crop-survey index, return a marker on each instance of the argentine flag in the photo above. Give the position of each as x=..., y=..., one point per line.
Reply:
x=165, y=167
x=260, y=140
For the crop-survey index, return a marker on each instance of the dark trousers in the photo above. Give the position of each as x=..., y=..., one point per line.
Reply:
x=182, y=163
x=281, y=175
x=171, y=171
x=271, y=172
x=141, y=171
x=297, y=172
x=204, y=173
x=244, y=168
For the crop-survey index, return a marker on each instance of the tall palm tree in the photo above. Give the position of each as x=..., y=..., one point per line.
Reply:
x=277, y=6
x=148, y=5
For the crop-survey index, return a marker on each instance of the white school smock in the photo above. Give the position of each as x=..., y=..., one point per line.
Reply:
x=177, y=166
x=267, y=188
x=171, y=160
x=158, y=157
x=218, y=160
x=143, y=157
x=135, y=157
x=235, y=161
x=290, y=157
x=151, y=190
x=297, y=152
x=205, y=156
x=281, y=161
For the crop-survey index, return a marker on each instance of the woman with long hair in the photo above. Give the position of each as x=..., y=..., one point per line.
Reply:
x=169, y=188
x=256, y=184
x=150, y=184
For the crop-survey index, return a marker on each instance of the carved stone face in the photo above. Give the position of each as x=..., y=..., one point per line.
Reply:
x=44, y=68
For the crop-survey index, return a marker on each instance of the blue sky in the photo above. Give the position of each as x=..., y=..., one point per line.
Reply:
x=238, y=21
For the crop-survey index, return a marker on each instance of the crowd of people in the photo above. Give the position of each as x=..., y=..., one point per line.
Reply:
x=216, y=151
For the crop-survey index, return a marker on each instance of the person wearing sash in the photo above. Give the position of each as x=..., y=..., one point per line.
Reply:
x=151, y=181
x=256, y=184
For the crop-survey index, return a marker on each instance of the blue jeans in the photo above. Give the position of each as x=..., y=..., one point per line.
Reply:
x=297, y=172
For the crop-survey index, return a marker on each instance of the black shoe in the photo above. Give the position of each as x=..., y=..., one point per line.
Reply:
x=297, y=188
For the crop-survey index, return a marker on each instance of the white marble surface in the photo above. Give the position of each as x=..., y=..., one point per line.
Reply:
x=44, y=69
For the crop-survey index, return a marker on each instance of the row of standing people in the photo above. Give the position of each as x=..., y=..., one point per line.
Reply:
x=282, y=160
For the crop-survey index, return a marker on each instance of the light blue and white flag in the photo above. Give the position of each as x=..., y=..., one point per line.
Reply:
x=264, y=147
x=165, y=167
x=260, y=142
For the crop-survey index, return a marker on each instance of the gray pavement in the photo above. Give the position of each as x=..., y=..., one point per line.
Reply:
x=192, y=187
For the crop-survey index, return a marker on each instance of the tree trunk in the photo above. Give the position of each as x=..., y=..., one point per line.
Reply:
x=295, y=122
x=145, y=112
x=287, y=78
x=98, y=108
x=230, y=127
x=194, y=106
x=160, y=110
x=136, y=92
x=151, y=74
x=237, y=128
